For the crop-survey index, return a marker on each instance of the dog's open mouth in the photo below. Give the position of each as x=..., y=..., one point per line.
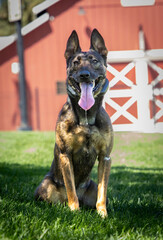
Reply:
x=77, y=86
x=86, y=92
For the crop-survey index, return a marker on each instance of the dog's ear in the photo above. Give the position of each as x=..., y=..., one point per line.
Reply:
x=72, y=45
x=98, y=44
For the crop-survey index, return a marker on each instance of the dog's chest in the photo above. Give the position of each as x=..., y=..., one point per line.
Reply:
x=85, y=139
x=84, y=149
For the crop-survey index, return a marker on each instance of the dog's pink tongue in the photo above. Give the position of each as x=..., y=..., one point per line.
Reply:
x=86, y=100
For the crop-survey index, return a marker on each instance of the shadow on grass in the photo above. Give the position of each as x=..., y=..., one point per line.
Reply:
x=135, y=195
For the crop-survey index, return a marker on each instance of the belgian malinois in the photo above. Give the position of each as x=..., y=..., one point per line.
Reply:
x=83, y=131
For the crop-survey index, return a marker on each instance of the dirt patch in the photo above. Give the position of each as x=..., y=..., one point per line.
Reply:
x=123, y=157
x=31, y=150
x=126, y=138
x=2, y=140
x=119, y=156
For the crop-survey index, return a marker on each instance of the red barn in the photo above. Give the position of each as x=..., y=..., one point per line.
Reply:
x=134, y=38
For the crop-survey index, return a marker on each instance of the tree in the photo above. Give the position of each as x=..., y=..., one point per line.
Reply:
x=7, y=28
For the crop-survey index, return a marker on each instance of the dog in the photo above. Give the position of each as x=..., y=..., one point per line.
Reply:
x=83, y=131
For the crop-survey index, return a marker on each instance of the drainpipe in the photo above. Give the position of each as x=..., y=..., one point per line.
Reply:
x=14, y=8
x=22, y=83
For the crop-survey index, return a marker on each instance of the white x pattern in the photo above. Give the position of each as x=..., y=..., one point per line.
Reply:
x=155, y=81
x=121, y=110
x=121, y=75
x=142, y=92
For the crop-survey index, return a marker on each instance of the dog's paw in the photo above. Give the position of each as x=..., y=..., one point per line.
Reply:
x=74, y=206
x=102, y=212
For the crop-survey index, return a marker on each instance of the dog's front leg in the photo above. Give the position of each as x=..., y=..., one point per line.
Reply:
x=68, y=176
x=103, y=177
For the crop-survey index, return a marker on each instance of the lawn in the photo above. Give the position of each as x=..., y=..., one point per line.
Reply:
x=135, y=191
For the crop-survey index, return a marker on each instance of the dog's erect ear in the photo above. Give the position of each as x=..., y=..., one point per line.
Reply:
x=72, y=45
x=98, y=44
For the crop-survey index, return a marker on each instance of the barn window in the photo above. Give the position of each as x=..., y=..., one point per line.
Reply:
x=136, y=3
x=61, y=87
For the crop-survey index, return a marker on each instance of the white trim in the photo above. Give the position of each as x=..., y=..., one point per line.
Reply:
x=122, y=93
x=155, y=54
x=35, y=24
x=158, y=128
x=132, y=55
x=141, y=40
x=124, y=56
x=144, y=94
x=43, y=6
x=137, y=3
x=6, y=41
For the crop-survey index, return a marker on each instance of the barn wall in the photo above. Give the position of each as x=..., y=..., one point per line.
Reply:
x=44, y=53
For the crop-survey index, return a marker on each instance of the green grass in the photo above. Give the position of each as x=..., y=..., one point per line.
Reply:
x=135, y=191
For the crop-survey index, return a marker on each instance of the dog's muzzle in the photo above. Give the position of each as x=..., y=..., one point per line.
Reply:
x=86, y=88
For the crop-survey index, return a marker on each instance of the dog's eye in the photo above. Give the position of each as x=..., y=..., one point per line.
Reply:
x=76, y=63
x=94, y=61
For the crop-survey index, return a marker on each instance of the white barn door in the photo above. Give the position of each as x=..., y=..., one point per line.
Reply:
x=135, y=101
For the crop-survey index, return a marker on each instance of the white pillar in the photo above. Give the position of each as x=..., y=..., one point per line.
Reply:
x=144, y=95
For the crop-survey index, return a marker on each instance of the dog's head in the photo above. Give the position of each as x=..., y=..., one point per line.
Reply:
x=86, y=71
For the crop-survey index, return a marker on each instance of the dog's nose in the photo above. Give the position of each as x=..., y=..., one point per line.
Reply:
x=84, y=74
